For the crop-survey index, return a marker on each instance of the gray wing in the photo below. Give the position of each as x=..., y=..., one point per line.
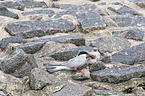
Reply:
x=76, y=62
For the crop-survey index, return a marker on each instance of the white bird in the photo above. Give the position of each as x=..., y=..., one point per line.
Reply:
x=96, y=57
x=72, y=64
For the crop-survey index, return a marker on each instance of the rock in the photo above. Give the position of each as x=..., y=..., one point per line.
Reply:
x=130, y=21
x=74, y=39
x=31, y=47
x=18, y=65
x=129, y=56
x=134, y=1
x=51, y=47
x=62, y=6
x=80, y=78
x=40, y=78
x=11, y=86
x=21, y=5
x=74, y=90
x=94, y=0
x=124, y=10
x=110, y=44
x=5, y=12
x=29, y=29
x=68, y=54
x=117, y=75
x=140, y=4
x=13, y=39
x=134, y=34
x=103, y=3
x=104, y=92
x=87, y=14
x=43, y=11
x=96, y=67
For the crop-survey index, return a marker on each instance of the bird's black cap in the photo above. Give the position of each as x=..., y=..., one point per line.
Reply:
x=82, y=52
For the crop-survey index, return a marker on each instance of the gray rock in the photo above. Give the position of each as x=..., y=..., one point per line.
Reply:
x=117, y=75
x=13, y=39
x=141, y=3
x=31, y=47
x=96, y=67
x=80, y=78
x=62, y=6
x=21, y=5
x=87, y=14
x=29, y=29
x=94, y=0
x=19, y=65
x=5, y=12
x=103, y=3
x=75, y=39
x=104, y=92
x=39, y=79
x=73, y=90
x=43, y=11
x=68, y=54
x=129, y=56
x=110, y=44
x=134, y=34
x=135, y=1
x=130, y=21
x=124, y=10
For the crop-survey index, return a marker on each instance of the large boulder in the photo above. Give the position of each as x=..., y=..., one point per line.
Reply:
x=29, y=29
x=75, y=39
x=13, y=39
x=43, y=11
x=134, y=34
x=31, y=47
x=18, y=65
x=110, y=43
x=129, y=56
x=117, y=75
x=21, y=5
x=74, y=90
x=5, y=12
x=87, y=14
x=39, y=79
x=129, y=21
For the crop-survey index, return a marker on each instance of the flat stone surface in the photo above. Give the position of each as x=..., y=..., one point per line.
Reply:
x=21, y=5
x=5, y=12
x=74, y=39
x=62, y=6
x=39, y=79
x=96, y=67
x=130, y=21
x=129, y=56
x=13, y=39
x=29, y=29
x=87, y=14
x=73, y=90
x=117, y=75
x=31, y=47
x=124, y=10
x=110, y=43
x=68, y=54
x=104, y=92
x=134, y=34
x=19, y=65
x=43, y=11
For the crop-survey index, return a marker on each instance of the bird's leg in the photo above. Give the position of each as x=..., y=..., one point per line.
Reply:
x=78, y=70
x=87, y=66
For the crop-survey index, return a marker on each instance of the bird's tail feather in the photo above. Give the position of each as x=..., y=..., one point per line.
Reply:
x=53, y=68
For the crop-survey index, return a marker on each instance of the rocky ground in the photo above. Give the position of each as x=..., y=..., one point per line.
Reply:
x=34, y=33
